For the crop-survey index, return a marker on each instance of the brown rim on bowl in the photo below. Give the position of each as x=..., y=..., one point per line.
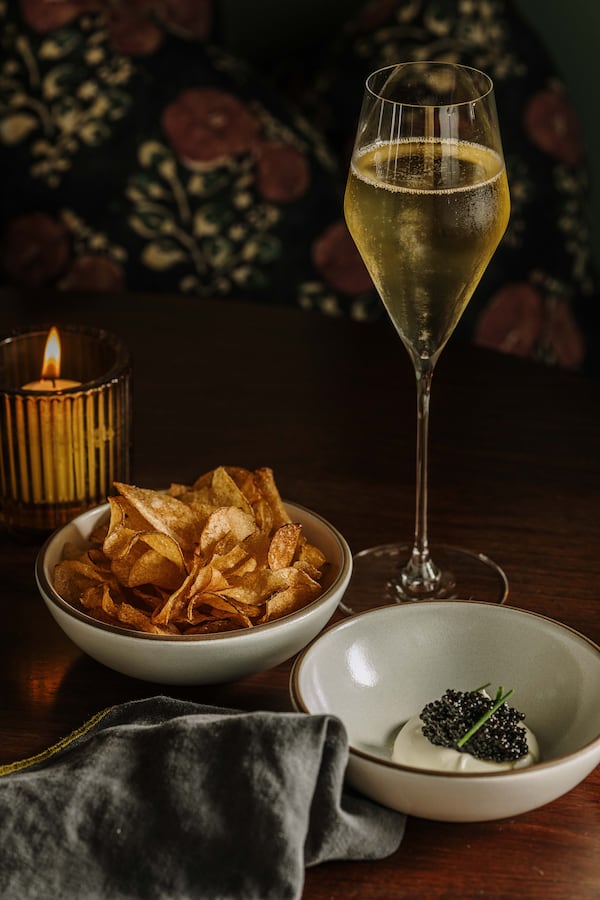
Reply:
x=301, y=706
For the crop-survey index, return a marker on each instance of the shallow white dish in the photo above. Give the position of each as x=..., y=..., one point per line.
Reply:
x=376, y=670
x=196, y=659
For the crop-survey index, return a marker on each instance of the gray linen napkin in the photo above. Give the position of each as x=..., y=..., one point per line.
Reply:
x=163, y=798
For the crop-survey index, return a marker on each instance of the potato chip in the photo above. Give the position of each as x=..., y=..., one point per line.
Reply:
x=226, y=522
x=283, y=546
x=219, y=607
x=235, y=562
x=287, y=601
x=219, y=555
x=72, y=577
x=164, y=546
x=125, y=522
x=153, y=568
x=265, y=482
x=167, y=514
x=225, y=492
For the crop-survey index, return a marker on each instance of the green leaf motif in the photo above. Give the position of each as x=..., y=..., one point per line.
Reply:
x=218, y=253
x=118, y=104
x=15, y=128
x=139, y=186
x=59, y=45
x=211, y=218
x=59, y=81
x=195, y=185
x=250, y=279
x=93, y=133
x=162, y=254
x=167, y=168
x=262, y=248
x=152, y=153
x=147, y=224
x=189, y=284
x=41, y=148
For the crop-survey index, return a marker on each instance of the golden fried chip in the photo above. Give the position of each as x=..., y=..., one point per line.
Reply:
x=237, y=473
x=227, y=521
x=125, y=522
x=263, y=515
x=72, y=577
x=164, y=513
x=164, y=546
x=134, y=618
x=310, y=570
x=254, y=587
x=92, y=597
x=219, y=608
x=289, y=600
x=220, y=555
x=201, y=579
x=225, y=492
x=266, y=484
x=310, y=554
x=236, y=561
x=153, y=568
x=283, y=546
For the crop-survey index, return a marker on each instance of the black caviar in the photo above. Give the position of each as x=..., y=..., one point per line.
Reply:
x=500, y=739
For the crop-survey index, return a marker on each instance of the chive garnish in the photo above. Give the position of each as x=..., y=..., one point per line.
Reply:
x=500, y=699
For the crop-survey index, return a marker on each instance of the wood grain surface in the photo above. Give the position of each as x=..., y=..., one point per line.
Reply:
x=330, y=406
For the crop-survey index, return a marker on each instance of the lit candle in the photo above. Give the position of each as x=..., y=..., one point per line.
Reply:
x=50, y=380
x=64, y=442
x=50, y=453
x=50, y=384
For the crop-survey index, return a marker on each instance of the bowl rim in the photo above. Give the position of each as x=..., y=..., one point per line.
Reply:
x=51, y=595
x=372, y=758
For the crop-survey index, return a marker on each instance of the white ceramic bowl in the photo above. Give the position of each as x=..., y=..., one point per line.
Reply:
x=196, y=659
x=376, y=670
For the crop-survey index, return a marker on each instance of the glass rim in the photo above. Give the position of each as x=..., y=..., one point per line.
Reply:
x=489, y=84
x=120, y=366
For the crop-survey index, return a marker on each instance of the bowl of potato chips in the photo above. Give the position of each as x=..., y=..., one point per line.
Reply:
x=196, y=584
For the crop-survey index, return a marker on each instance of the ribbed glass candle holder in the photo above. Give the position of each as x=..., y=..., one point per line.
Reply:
x=64, y=442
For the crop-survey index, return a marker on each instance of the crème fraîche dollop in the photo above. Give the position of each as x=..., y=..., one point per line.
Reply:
x=412, y=748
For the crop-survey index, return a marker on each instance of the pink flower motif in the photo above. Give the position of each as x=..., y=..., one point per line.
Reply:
x=512, y=320
x=34, y=249
x=43, y=16
x=206, y=124
x=564, y=336
x=93, y=273
x=189, y=18
x=374, y=14
x=552, y=124
x=339, y=262
x=282, y=173
x=132, y=31
x=135, y=26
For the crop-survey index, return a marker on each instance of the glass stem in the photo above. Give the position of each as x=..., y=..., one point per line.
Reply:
x=421, y=576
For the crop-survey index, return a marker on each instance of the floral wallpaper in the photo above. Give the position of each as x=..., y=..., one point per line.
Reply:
x=139, y=155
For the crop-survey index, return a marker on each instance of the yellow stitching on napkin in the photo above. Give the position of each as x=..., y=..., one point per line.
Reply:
x=9, y=768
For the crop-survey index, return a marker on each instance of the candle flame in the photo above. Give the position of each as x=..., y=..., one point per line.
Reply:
x=51, y=365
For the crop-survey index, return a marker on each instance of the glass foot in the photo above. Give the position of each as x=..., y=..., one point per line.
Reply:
x=465, y=575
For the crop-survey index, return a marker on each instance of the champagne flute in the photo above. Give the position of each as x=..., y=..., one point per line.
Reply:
x=427, y=203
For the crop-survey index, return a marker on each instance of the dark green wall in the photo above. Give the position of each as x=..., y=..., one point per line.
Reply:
x=571, y=31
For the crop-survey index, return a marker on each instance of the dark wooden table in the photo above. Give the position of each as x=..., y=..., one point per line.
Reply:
x=329, y=405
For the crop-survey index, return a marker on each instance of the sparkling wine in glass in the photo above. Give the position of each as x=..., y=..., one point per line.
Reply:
x=427, y=203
